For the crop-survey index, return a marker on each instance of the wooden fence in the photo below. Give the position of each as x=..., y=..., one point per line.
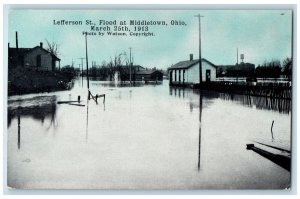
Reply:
x=272, y=90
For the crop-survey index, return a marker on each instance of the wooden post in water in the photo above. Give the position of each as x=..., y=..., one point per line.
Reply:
x=87, y=122
x=272, y=130
x=19, y=131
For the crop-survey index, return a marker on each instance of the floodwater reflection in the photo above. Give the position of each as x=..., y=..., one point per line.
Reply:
x=281, y=106
x=265, y=103
x=200, y=116
x=261, y=103
x=38, y=108
x=87, y=122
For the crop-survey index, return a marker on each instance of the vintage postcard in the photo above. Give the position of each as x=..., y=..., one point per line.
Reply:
x=149, y=99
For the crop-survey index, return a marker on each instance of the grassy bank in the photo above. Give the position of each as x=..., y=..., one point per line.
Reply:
x=23, y=81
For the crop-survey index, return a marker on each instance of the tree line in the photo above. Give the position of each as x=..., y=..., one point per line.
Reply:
x=271, y=69
x=275, y=69
x=120, y=63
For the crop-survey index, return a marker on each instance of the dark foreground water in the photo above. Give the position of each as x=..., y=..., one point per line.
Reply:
x=144, y=137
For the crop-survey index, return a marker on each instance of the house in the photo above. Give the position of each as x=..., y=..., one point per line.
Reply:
x=187, y=72
x=242, y=70
x=36, y=58
x=137, y=68
x=149, y=75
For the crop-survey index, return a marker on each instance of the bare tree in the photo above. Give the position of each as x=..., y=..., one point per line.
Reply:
x=52, y=47
x=287, y=67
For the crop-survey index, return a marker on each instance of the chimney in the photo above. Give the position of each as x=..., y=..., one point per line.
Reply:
x=41, y=44
x=17, y=45
x=191, y=57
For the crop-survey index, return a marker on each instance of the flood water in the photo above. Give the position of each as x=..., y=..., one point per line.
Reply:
x=144, y=137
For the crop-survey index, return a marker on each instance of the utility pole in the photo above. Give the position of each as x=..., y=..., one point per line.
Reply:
x=200, y=81
x=200, y=58
x=82, y=58
x=87, y=62
x=130, y=65
x=79, y=66
x=237, y=56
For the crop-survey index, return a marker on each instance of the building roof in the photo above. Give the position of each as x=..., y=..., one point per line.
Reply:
x=138, y=66
x=23, y=51
x=240, y=66
x=187, y=64
x=146, y=72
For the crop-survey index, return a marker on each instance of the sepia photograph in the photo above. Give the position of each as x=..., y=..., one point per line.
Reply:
x=149, y=99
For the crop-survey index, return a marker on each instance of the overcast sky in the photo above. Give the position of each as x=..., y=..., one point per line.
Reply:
x=261, y=35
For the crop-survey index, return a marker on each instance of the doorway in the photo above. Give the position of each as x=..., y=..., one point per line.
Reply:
x=207, y=75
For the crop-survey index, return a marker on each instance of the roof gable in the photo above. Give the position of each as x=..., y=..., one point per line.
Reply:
x=24, y=51
x=187, y=64
x=146, y=72
x=137, y=66
x=46, y=51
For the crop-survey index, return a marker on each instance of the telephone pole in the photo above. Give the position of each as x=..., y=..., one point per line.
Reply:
x=237, y=56
x=87, y=62
x=82, y=58
x=130, y=65
x=200, y=58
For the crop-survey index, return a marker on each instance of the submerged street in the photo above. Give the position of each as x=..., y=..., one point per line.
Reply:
x=144, y=137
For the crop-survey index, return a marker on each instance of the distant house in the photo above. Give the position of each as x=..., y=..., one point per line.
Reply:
x=149, y=75
x=137, y=68
x=242, y=70
x=187, y=72
x=36, y=58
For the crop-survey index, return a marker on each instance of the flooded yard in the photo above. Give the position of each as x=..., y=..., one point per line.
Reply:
x=144, y=137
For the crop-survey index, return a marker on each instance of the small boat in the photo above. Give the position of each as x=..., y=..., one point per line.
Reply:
x=279, y=156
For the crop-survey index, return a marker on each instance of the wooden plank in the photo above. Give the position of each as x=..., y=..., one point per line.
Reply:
x=76, y=104
x=66, y=102
x=274, y=147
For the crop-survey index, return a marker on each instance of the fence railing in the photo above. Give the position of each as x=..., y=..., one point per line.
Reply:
x=243, y=79
x=266, y=89
x=259, y=81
